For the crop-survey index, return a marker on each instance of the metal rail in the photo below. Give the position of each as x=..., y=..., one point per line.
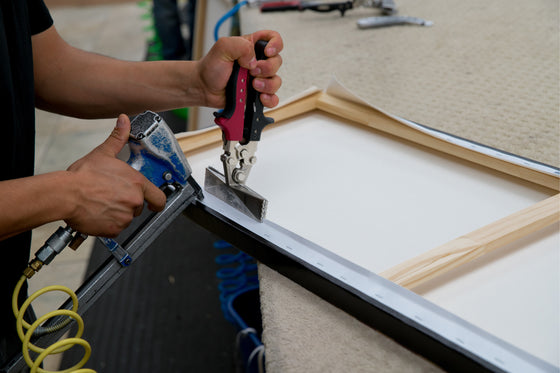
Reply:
x=400, y=314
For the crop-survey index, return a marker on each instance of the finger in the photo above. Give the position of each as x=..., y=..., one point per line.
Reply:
x=269, y=85
x=267, y=68
x=236, y=49
x=154, y=196
x=275, y=43
x=118, y=138
x=269, y=100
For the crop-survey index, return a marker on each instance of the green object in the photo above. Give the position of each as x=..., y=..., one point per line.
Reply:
x=182, y=113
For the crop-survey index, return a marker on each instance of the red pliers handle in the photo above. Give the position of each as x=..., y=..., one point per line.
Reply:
x=241, y=121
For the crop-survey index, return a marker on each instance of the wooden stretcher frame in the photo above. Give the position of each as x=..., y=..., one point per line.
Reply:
x=446, y=257
x=391, y=321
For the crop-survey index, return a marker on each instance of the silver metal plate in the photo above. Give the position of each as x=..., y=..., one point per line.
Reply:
x=240, y=197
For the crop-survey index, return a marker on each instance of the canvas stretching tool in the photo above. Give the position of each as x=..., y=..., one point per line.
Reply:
x=242, y=122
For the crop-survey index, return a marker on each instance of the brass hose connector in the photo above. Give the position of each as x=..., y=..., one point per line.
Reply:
x=34, y=266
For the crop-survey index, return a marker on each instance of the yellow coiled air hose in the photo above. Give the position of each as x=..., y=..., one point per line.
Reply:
x=56, y=347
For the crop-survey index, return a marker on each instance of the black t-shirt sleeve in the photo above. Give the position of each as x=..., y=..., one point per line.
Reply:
x=39, y=17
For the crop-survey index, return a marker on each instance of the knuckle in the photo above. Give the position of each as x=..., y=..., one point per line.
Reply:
x=275, y=82
x=138, y=200
x=113, y=231
x=124, y=222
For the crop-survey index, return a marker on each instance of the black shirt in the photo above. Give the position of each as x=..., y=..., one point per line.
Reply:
x=19, y=20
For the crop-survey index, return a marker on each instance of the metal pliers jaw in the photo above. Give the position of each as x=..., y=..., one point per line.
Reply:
x=238, y=160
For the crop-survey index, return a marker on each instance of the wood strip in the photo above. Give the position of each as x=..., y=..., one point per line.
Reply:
x=430, y=264
x=302, y=106
x=197, y=53
x=195, y=141
x=199, y=25
x=375, y=119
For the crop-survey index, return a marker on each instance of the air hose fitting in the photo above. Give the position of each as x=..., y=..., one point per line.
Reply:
x=53, y=246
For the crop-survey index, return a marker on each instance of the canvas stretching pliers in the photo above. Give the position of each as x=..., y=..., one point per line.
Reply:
x=242, y=122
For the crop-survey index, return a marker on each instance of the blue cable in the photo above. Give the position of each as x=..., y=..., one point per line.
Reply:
x=237, y=274
x=221, y=244
x=229, y=14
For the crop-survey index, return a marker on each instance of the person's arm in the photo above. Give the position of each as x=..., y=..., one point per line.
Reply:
x=87, y=85
x=98, y=195
x=33, y=201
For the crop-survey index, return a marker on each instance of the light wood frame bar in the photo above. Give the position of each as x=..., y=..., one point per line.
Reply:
x=442, y=259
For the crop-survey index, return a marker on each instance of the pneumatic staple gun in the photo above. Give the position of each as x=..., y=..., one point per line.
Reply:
x=154, y=152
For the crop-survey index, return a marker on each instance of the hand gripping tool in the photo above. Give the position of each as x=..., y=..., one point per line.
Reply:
x=242, y=122
x=155, y=153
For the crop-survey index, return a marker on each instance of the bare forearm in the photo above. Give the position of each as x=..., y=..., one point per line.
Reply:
x=82, y=84
x=87, y=85
x=33, y=201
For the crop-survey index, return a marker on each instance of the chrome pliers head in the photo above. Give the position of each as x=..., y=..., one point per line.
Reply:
x=242, y=122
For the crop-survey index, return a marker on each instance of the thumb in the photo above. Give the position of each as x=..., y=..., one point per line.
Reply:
x=118, y=138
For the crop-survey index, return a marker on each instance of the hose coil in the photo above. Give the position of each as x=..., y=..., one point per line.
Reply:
x=57, y=347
